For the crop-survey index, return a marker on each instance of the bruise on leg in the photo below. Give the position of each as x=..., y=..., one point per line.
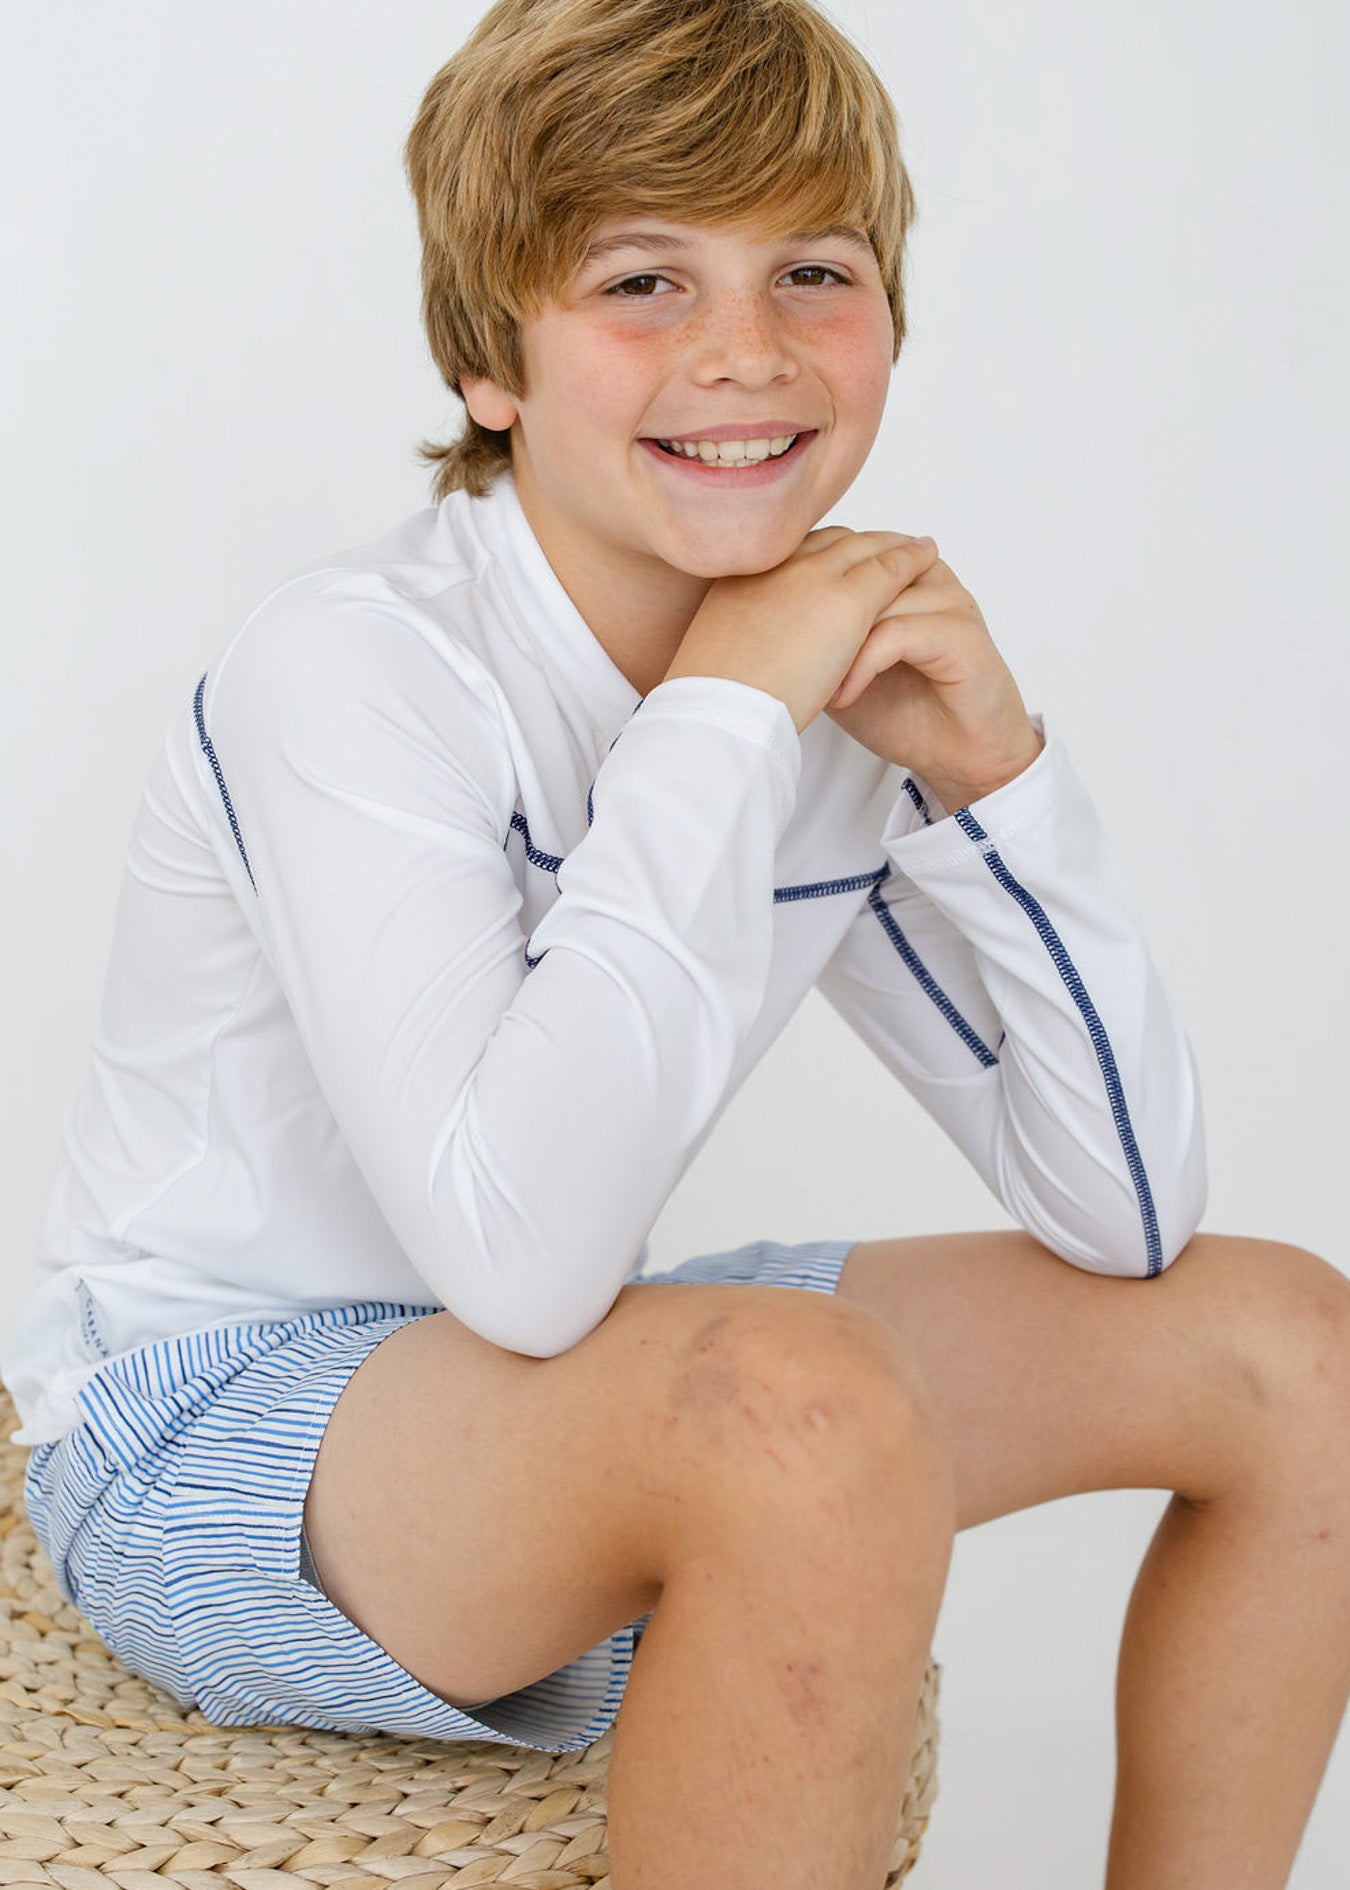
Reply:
x=803, y=1694
x=715, y=1382
x=707, y=1385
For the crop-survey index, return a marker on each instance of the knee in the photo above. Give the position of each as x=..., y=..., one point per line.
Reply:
x=1283, y=1318
x=803, y=1389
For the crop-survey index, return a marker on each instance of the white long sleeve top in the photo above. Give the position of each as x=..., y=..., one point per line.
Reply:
x=439, y=950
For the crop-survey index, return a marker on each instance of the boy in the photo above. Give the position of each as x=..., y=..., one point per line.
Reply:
x=488, y=859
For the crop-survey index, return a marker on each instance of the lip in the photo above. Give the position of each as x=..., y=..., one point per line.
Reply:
x=730, y=477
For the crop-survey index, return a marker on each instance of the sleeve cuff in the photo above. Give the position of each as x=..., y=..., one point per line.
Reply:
x=918, y=835
x=757, y=715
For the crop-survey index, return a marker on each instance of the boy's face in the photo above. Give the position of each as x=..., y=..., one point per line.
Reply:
x=690, y=330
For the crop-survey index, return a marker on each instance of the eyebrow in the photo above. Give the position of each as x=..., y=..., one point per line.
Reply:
x=659, y=239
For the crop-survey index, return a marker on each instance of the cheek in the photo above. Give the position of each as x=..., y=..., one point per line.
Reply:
x=859, y=348
x=615, y=371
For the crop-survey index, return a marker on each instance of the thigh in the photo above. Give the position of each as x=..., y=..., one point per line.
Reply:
x=1050, y=1380
x=488, y=1517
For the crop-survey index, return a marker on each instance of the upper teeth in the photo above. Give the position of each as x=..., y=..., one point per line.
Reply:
x=731, y=452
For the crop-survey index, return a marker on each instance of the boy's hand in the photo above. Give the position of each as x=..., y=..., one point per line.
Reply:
x=797, y=630
x=929, y=690
x=873, y=628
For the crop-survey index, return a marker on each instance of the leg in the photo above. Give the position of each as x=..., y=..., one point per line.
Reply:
x=756, y=1466
x=1225, y=1379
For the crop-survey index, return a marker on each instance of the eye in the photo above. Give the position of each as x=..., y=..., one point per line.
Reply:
x=618, y=289
x=819, y=269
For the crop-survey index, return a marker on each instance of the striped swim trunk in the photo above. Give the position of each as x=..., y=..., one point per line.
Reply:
x=173, y=1519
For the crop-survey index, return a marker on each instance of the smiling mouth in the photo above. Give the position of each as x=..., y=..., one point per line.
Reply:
x=757, y=459
x=696, y=462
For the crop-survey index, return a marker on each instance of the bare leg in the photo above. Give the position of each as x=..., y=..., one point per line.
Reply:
x=1226, y=1380
x=1233, y=1681
x=766, y=1731
x=761, y=1470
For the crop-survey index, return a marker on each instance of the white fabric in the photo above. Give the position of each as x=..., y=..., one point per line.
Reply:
x=439, y=952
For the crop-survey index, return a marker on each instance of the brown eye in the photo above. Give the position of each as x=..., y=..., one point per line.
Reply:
x=616, y=287
x=817, y=269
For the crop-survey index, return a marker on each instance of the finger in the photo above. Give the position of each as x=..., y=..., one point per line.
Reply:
x=929, y=642
x=927, y=594
x=825, y=535
x=884, y=563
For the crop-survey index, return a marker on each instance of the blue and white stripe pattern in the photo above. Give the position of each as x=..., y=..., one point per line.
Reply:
x=172, y=1519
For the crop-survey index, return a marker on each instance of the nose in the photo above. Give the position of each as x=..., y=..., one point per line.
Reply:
x=742, y=336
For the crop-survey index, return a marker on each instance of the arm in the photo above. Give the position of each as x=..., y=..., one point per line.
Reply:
x=1001, y=972
x=520, y=1108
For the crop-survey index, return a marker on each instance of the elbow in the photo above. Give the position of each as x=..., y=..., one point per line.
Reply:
x=1160, y=1213
x=1162, y=1226
x=1128, y=1219
x=1157, y=1231
x=533, y=1332
x=1187, y=1197
x=1141, y=1234
x=1187, y=1191
x=1183, y=1223
x=534, y=1323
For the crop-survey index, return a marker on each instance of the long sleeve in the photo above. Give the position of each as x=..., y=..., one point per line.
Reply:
x=519, y=1108
x=1000, y=971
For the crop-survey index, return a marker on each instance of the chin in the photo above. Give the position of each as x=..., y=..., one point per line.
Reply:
x=739, y=561
x=729, y=567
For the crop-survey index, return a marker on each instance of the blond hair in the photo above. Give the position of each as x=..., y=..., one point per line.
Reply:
x=557, y=114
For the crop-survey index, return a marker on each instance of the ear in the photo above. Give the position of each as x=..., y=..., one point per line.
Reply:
x=490, y=405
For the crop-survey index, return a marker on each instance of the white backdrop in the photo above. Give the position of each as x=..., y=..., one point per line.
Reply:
x=1122, y=413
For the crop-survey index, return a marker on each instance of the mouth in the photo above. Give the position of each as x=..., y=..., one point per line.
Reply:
x=748, y=473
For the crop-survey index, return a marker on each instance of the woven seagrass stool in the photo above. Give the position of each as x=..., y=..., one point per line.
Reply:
x=105, y=1779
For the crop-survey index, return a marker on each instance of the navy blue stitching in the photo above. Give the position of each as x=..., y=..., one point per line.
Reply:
x=824, y=888
x=210, y=754
x=1096, y=1030
x=807, y=889
x=535, y=855
x=969, y=1036
x=918, y=799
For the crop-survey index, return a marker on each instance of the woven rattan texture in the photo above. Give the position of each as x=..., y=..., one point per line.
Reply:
x=105, y=1779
